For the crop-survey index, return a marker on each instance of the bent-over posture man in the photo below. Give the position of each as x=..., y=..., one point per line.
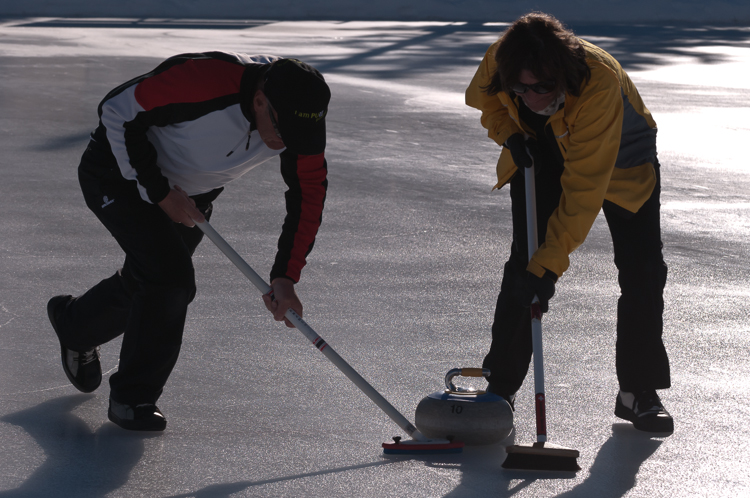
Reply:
x=166, y=145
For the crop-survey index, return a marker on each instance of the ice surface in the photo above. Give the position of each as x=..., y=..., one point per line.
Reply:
x=402, y=281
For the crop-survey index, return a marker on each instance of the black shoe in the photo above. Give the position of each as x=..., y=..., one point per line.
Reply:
x=645, y=411
x=82, y=367
x=145, y=417
x=510, y=398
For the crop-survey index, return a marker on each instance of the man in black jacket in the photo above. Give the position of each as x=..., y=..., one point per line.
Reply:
x=166, y=145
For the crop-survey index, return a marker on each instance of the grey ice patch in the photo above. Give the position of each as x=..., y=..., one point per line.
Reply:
x=107, y=201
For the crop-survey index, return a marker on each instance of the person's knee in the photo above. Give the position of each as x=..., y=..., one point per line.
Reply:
x=167, y=302
x=644, y=280
x=176, y=288
x=173, y=279
x=182, y=290
x=514, y=281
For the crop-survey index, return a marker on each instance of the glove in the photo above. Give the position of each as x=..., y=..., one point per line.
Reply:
x=522, y=150
x=542, y=287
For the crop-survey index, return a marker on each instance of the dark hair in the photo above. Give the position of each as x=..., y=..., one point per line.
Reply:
x=541, y=44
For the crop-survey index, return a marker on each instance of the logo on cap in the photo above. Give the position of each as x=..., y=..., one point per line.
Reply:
x=311, y=115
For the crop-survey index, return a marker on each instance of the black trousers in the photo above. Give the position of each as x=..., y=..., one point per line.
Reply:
x=641, y=359
x=147, y=299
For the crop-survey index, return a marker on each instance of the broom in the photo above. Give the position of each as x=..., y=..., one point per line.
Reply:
x=540, y=455
x=419, y=444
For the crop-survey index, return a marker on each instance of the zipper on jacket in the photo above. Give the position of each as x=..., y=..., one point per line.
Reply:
x=247, y=145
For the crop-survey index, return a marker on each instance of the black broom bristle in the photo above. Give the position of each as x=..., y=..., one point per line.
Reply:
x=524, y=461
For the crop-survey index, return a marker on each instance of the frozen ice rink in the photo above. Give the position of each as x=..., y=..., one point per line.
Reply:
x=402, y=282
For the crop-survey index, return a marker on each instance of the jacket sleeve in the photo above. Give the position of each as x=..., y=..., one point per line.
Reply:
x=306, y=177
x=595, y=131
x=495, y=117
x=181, y=89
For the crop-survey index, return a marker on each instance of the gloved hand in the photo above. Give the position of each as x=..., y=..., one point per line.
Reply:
x=542, y=287
x=522, y=150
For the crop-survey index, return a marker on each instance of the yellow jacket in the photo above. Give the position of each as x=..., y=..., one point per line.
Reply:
x=607, y=139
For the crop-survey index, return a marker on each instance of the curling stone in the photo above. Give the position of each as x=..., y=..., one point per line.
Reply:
x=474, y=417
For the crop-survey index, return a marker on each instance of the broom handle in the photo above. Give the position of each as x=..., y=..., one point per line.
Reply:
x=312, y=336
x=536, y=310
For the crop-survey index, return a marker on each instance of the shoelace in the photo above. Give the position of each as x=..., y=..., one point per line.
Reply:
x=88, y=356
x=648, y=404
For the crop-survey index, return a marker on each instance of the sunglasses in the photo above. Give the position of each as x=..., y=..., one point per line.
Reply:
x=541, y=87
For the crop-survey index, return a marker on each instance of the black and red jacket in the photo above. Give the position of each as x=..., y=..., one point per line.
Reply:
x=189, y=122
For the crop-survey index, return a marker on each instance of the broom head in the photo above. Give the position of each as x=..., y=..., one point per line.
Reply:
x=541, y=456
x=427, y=447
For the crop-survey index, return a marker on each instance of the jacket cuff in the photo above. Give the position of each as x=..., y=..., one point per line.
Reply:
x=541, y=271
x=277, y=274
x=158, y=193
x=536, y=268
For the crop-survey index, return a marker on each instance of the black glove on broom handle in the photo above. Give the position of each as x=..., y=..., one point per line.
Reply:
x=536, y=311
x=312, y=336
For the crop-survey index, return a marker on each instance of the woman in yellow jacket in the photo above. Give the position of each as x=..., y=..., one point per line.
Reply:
x=550, y=97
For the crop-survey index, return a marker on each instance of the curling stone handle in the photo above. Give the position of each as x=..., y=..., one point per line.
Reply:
x=464, y=372
x=474, y=372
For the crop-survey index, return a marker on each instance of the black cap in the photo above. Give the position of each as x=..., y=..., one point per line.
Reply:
x=300, y=96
